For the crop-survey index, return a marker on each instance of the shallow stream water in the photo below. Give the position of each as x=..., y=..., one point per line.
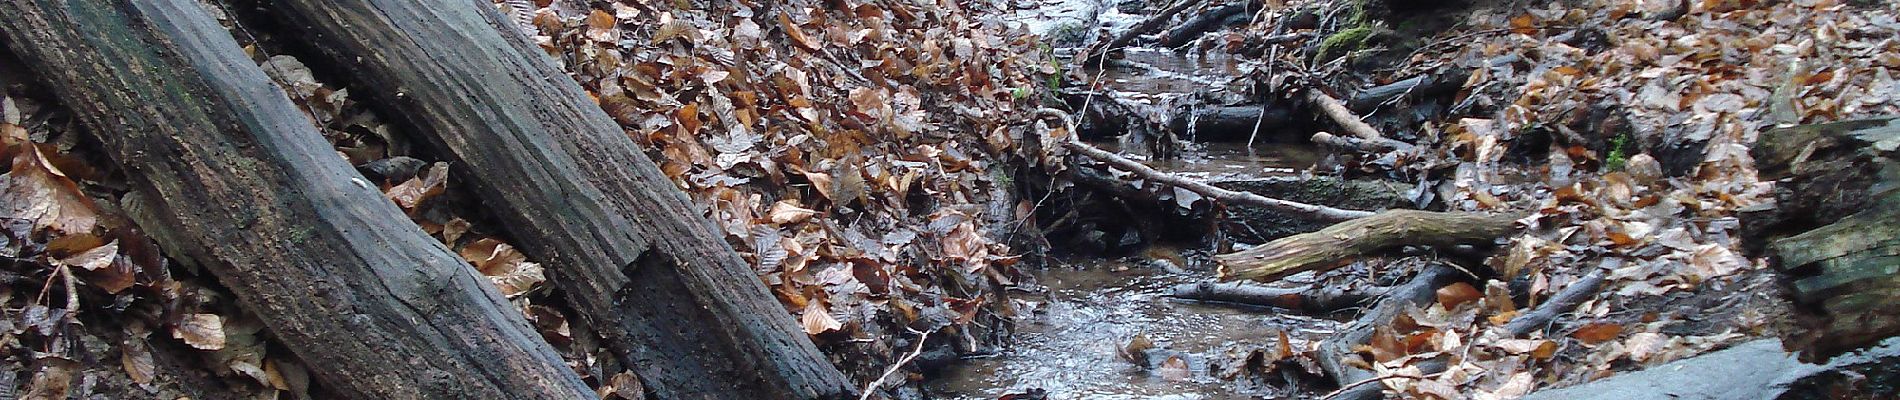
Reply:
x=1070, y=344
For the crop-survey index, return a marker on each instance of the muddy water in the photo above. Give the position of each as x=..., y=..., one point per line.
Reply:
x=1069, y=345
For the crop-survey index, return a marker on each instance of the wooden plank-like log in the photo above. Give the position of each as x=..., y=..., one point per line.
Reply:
x=229, y=175
x=633, y=255
x=1341, y=243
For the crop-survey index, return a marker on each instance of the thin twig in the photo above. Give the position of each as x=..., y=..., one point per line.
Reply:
x=871, y=388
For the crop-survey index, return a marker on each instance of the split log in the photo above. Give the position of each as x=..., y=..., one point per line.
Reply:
x=1843, y=274
x=1095, y=55
x=1207, y=20
x=1223, y=195
x=631, y=253
x=229, y=175
x=1337, y=352
x=1312, y=300
x=1341, y=243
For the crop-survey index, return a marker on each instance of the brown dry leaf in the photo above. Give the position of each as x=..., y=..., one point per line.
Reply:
x=36, y=191
x=626, y=386
x=413, y=192
x=1597, y=332
x=1175, y=369
x=1524, y=24
x=94, y=259
x=52, y=378
x=504, y=266
x=1457, y=294
x=201, y=331
x=818, y=320
x=798, y=35
x=136, y=357
x=600, y=27
x=786, y=212
x=688, y=116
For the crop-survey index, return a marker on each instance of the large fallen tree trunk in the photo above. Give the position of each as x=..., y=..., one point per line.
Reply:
x=1843, y=274
x=1346, y=241
x=229, y=175
x=626, y=247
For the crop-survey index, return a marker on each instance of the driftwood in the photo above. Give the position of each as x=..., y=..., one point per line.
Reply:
x=1563, y=302
x=1312, y=300
x=1838, y=187
x=1336, y=352
x=1341, y=243
x=227, y=174
x=1208, y=20
x=1096, y=54
x=629, y=251
x=1223, y=195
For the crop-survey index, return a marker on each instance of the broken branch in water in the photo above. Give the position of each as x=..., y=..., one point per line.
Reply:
x=1315, y=299
x=1343, y=242
x=1319, y=212
x=1356, y=144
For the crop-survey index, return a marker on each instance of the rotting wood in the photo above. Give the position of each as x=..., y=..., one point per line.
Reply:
x=629, y=251
x=1230, y=123
x=1840, y=179
x=1341, y=243
x=227, y=174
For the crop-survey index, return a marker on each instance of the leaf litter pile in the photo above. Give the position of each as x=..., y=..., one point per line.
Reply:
x=861, y=155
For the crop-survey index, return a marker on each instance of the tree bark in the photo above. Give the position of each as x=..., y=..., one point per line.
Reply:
x=1341, y=243
x=1206, y=21
x=229, y=175
x=628, y=249
x=1843, y=274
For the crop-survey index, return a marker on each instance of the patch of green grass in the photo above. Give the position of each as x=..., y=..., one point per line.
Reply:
x=1343, y=42
x=1619, y=153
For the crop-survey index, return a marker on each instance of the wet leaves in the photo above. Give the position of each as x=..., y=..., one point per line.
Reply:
x=201, y=331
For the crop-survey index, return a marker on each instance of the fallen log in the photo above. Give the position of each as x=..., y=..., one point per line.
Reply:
x=1311, y=300
x=1208, y=20
x=1094, y=55
x=1230, y=123
x=1841, y=180
x=1223, y=195
x=1337, y=353
x=1427, y=85
x=228, y=175
x=628, y=250
x=1255, y=225
x=1341, y=243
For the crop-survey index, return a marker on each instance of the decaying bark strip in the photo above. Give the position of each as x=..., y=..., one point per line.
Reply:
x=1844, y=273
x=1341, y=243
x=629, y=250
x=231, y=176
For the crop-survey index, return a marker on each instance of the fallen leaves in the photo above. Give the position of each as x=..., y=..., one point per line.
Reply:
x=201, y=331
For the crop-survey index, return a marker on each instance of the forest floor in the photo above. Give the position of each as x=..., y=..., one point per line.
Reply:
x=883, y=165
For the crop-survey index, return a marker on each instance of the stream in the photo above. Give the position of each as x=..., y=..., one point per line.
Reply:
x=1070, y=345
